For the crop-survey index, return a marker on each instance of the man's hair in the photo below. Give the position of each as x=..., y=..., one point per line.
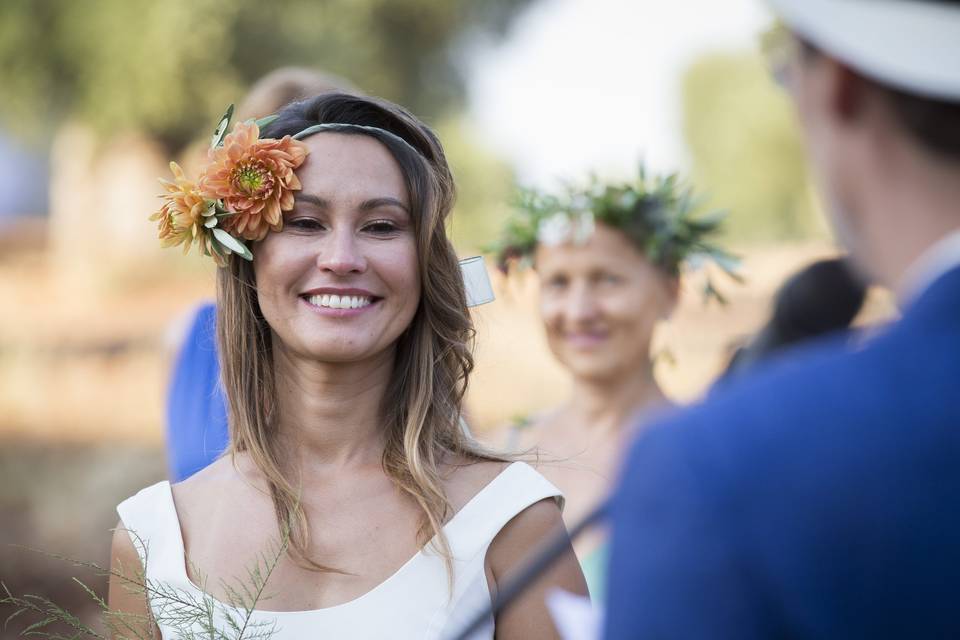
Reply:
x=933, y=123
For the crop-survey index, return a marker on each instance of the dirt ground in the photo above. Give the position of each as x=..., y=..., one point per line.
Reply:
x=60, y=498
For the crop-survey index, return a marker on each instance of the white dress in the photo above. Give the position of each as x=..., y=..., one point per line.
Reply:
x=414, y=602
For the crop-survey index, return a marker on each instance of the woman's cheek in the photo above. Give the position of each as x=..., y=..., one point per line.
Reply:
x=550, y=310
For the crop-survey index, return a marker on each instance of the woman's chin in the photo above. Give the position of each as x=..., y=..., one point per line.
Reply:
x=593, y=366
x=338, y=353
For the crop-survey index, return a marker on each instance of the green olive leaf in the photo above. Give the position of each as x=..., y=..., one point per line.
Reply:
x=221, y=131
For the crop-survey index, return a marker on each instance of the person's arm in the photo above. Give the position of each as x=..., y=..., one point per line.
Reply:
x=676, y=566
x=130, y=614
x=528, y=616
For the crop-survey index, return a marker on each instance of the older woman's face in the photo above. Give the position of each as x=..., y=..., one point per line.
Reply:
x=600, y=302
x=340, y=282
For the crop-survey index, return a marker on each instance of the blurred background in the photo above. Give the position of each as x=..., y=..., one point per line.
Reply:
x=98, y=95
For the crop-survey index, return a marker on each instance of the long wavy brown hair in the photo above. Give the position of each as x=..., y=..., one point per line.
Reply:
x=422, y=405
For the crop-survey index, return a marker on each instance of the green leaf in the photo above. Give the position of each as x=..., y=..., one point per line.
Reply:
x=264, y=121
x=221, y=131
x=46, y=622
x=710, y=291
x=232, y=244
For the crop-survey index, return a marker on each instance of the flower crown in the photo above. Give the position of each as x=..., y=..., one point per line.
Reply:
x=657, y=214
x=246, y=185
x=242, y=192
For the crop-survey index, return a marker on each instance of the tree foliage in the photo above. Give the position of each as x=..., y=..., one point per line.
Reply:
x=746, y=149
x=164, y=67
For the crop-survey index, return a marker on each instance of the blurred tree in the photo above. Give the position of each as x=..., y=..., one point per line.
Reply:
x=746, y=150
x=164, y=67
x=485, y=187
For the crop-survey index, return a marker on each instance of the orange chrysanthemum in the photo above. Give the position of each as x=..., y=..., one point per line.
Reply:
x=254, y=178
x=181, y=215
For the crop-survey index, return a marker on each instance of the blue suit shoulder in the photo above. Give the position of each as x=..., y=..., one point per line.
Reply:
x=806, y=494
x=838, y=398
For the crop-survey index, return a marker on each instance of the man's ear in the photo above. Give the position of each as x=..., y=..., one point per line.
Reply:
x=845, y=90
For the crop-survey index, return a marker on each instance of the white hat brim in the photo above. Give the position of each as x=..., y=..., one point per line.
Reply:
x=911, y=45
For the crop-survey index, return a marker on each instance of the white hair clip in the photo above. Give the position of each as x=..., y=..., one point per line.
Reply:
x=476, y=281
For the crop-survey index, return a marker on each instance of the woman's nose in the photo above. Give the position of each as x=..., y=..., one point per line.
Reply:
x=581, y=304
x=340, y=253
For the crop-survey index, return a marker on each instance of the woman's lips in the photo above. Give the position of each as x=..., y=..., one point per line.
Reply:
x=584, y=340
x=339, y=306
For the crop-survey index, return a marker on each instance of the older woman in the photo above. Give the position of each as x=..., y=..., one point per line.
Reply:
x=344, y=342
x=608, y=258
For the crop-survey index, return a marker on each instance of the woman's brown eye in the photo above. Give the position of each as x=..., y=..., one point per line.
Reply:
x=381, y=228
x=305, y=224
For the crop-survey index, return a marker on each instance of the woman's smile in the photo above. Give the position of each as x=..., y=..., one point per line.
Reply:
x=340, y=303
x=585, y=340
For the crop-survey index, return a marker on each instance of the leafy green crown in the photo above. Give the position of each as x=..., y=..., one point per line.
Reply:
x=657, y=213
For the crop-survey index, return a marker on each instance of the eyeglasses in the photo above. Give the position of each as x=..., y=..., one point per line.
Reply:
x=779, y=48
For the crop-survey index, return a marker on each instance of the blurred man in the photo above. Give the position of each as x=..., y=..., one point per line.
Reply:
x=818, y=497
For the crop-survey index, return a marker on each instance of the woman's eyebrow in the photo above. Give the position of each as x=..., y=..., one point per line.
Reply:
x=374, y=203
x=311, y=199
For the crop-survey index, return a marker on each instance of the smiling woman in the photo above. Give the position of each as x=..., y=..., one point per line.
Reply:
x=346, y=349
x=609, y=259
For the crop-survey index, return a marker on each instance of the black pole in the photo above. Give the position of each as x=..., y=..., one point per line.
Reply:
x=537, y=565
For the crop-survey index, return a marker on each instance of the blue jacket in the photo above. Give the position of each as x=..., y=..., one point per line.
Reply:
x=816, y=498
x=196, y=409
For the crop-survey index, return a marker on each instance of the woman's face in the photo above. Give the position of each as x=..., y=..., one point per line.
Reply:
x=600, y=302
x=340, y=282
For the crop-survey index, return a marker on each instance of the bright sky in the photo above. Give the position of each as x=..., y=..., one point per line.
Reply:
x=583, y=85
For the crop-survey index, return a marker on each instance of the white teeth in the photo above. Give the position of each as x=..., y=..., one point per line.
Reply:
x=333, y=301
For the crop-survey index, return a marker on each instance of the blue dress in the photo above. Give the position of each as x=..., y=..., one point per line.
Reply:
x=196, y=409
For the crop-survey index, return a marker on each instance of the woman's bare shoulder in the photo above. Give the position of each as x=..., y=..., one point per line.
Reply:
x=463, y=479
x=211, y=477
x=225, y=480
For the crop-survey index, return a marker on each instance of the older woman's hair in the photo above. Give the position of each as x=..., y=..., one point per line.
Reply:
x=422, y=405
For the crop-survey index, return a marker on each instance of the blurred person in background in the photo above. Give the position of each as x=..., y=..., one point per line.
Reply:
x=815, y=497
x=608, y=260
x=196, y=413
x=345, y=345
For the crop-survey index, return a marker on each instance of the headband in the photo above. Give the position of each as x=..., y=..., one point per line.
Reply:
x=243, y=190
x=339, y=127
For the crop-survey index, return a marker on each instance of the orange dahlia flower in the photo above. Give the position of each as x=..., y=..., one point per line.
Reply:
x=181, y=215
x=254, y=178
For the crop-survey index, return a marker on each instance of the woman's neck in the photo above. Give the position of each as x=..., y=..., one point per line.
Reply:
x=608, y=405
x=330, y=414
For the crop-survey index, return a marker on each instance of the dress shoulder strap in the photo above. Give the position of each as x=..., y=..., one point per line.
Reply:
x=478, y=522
x=150, y=518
